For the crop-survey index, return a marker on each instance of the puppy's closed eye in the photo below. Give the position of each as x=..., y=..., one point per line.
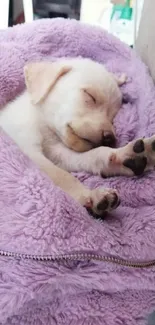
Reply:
x=89, y=98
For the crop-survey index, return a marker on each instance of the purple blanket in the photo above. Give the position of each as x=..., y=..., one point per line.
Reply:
x=39, y=224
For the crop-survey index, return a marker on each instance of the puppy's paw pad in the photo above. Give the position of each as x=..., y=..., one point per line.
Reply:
x=103, y=204
x=137, y=164
x=153, y=145
x=104, y=201
x=109, y=202
x=115, y=201
x=139, y=146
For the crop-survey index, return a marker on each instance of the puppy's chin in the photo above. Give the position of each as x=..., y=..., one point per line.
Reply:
x=74, y=142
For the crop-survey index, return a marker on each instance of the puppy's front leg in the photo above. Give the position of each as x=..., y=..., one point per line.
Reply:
x=60, y=177
x=98, y=200
x=128, y=160
x=92, y=161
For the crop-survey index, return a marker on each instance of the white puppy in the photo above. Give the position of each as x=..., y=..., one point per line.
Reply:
x=68, y=109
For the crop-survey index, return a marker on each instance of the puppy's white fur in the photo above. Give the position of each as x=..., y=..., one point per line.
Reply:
x=67, y=108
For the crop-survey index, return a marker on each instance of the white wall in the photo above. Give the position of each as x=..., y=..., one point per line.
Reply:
x=92, y=10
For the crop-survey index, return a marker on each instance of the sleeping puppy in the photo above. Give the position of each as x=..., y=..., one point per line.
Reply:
x=63, y=122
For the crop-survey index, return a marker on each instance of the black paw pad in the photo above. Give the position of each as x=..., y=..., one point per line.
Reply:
x=116, y=201
x=139, y=146
x=137, y=165
x=153, y=145
x=103, y=205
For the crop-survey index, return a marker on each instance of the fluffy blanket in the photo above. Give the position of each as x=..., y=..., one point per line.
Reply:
x=38, y=219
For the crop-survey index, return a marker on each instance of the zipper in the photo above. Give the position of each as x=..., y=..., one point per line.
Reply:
x=81, y=257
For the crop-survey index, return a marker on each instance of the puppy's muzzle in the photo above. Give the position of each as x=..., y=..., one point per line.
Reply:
x=74, y=142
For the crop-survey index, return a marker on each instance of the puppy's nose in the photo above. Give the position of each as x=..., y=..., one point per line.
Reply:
x=108, y=139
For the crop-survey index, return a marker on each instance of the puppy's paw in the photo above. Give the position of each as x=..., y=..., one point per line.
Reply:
x=131, y=159
x=141, y=155
x=149, y=149
x=102, y=201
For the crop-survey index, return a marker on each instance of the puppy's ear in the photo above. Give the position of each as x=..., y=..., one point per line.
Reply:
x=40, y=77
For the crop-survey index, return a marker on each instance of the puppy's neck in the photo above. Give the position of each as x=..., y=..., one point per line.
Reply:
x=49, y=135
x=25, y=123
x=34, y=112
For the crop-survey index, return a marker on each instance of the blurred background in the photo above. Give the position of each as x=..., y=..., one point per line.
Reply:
x=120, y=17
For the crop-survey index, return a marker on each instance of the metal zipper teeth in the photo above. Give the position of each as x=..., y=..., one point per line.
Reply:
x=80, y=257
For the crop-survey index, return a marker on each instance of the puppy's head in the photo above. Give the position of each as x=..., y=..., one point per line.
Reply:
x=79, y=99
